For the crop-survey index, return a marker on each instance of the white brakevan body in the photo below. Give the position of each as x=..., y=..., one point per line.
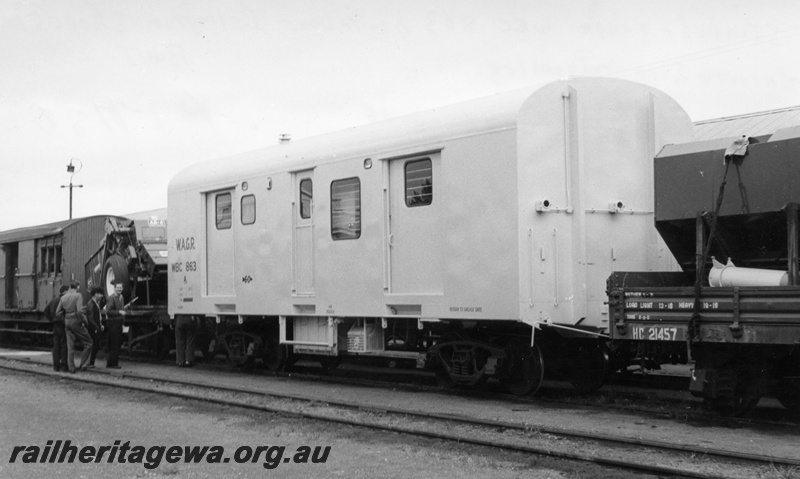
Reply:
x=514, y=207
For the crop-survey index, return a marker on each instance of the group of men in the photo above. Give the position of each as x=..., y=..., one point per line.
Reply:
x=73, y=323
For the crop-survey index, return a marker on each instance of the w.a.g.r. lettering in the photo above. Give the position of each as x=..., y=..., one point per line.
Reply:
x=183, y=244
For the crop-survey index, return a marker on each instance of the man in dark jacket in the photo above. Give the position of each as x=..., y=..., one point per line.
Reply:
x=59, y=332
x=95, y=324
x=115, y=310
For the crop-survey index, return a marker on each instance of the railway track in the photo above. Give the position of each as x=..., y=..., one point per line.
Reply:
x=653, y=396
x=649, y=396
x=655, y=457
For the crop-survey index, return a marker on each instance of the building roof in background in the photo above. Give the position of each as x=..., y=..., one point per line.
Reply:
x=749, y=124
x=160, y=214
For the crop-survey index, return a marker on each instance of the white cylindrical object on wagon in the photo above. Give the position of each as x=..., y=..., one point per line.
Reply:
x=729, y=275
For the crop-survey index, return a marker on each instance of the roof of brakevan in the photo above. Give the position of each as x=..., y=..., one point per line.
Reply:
x=40, y=231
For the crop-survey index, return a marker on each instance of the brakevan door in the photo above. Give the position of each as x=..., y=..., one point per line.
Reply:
x=303, y=250
x=415, y=226
x=26, y=275
x=219, y=243
x=4, y=268
x=12, y=263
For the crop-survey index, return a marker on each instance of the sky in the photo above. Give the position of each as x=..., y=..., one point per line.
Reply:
x=131, y=92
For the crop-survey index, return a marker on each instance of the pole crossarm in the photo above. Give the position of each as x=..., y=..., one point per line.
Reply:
x=71, y=170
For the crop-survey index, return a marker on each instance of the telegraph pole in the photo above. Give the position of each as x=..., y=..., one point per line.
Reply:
x=71, y=169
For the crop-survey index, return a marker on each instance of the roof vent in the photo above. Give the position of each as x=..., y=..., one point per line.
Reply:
x=284, y=138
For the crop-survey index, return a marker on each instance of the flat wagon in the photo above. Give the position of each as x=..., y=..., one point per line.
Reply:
x=728, y=210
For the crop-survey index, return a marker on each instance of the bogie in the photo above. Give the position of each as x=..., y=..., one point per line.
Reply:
x=787, y=382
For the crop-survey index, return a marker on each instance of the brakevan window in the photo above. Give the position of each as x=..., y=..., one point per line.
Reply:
x=223, y=204
x=50, y=260
x=248, y=209
x=306, y=195
x=419, y=183
x=346, y=209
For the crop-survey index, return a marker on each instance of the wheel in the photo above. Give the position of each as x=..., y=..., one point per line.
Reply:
x=208, y=347
x=291, y=357
x=459, y=358
x=275, y=354
x=789, y=396
x=329, y=362
x=588, y=367
x=443, y=378
x=788, y=391
x=206, y=338
x=164, y=343
x=207, y=343
x=746, y=395
x=238, y=346
x=116, y=269
x=738, y=406
x=527, y=372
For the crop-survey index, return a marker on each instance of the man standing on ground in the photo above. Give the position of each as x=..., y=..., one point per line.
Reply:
x=95, y=324
x=185, y=331
x=115, y=310
x=59, y=332
x=71, y=306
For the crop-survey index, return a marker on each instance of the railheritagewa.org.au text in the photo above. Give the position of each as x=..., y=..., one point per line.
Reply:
x=151, y=457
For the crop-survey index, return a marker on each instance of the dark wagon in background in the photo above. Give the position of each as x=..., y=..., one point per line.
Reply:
x=95, y=251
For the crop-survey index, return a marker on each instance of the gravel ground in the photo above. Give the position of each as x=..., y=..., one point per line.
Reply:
x=755, y=440
x=36, y=409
